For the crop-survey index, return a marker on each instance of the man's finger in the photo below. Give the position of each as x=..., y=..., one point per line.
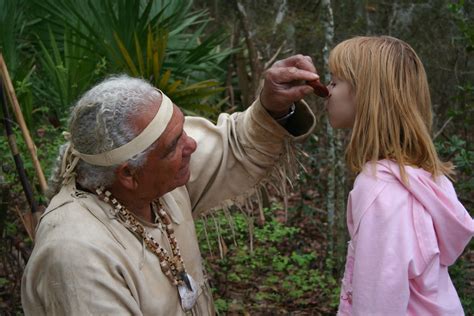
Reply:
x=298, y=61
x=290, y=74
x=299, y=92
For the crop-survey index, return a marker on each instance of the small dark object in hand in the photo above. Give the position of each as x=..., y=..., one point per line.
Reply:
x=319, y=88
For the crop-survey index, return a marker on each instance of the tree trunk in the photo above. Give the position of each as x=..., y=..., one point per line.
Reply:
x=282, y=10
x=328, y=26
x=255, y=66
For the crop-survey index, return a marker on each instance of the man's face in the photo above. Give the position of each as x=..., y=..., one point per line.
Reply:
x=167, y=165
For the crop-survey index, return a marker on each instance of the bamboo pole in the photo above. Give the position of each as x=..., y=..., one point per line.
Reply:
x=29, y=222
x=21, y=121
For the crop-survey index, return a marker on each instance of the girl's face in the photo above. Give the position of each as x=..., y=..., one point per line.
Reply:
x=341, y=104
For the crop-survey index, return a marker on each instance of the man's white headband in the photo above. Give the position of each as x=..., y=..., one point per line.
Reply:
x=137, y=145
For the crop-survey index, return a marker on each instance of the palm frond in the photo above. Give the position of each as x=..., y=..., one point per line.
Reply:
x=162, y=41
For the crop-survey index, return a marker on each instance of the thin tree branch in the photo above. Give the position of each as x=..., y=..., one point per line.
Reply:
x=442, y=128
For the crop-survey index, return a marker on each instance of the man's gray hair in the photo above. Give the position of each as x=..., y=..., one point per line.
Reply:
x=101, y=121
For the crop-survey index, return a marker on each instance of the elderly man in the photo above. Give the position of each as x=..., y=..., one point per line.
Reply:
x=118, y=237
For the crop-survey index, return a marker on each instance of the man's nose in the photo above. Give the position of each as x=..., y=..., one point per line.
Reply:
x=190, y=146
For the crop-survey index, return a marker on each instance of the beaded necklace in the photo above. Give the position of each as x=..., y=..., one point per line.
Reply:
x=171, y=265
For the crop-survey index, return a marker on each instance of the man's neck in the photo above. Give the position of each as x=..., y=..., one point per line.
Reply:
x=135, y=205
x=145, y=212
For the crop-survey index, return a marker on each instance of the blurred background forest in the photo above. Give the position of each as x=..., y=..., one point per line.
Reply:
x=209, y=57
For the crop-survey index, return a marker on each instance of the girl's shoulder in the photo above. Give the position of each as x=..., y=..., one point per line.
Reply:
x=376, y=182
x=379, y=173
x=382, y=180
x=385, y=170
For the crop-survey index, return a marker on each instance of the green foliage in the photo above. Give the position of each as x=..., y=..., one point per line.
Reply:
x=461, y=153
x=68, y=70
x=466, y=25
x=148, y=39
x=13, y=28
x=221, y=304
x=47, y=139
x=278, y=272
x=458, y=147
x=55, y=50
x=16, y=47
x=3, y=281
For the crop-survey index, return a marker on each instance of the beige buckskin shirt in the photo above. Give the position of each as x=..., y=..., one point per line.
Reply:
x=85, y=262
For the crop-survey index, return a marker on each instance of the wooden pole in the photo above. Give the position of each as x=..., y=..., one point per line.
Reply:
x=21, y=121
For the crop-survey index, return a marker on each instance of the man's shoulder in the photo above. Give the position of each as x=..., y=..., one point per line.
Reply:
x=75, y=218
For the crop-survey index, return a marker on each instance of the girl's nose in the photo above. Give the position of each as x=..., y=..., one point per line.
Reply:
x=329, y=87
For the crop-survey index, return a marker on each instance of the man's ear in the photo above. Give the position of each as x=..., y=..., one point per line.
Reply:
x=126, y=177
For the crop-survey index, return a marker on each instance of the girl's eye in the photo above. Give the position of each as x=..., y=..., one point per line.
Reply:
x=332, y=84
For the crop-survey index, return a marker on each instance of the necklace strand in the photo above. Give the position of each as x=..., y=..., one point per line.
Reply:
x=171, y=265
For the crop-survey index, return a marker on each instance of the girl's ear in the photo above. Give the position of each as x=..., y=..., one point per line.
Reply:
x=126, y=177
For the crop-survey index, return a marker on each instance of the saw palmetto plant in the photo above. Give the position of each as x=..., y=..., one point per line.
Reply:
x=162, y=41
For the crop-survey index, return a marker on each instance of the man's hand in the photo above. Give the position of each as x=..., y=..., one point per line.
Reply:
x=285, y=83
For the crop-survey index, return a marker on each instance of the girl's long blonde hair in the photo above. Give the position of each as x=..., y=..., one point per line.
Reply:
x=393, y=105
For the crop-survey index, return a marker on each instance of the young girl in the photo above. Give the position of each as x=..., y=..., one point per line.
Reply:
x=405, y=221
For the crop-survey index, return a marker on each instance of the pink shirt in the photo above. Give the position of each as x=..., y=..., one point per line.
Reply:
x=403, y=238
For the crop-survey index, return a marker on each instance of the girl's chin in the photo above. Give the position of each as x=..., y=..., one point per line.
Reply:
x=331, y=122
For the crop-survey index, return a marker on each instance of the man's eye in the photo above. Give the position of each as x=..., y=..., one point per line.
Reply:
x=173, y=147
x=171, y=151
